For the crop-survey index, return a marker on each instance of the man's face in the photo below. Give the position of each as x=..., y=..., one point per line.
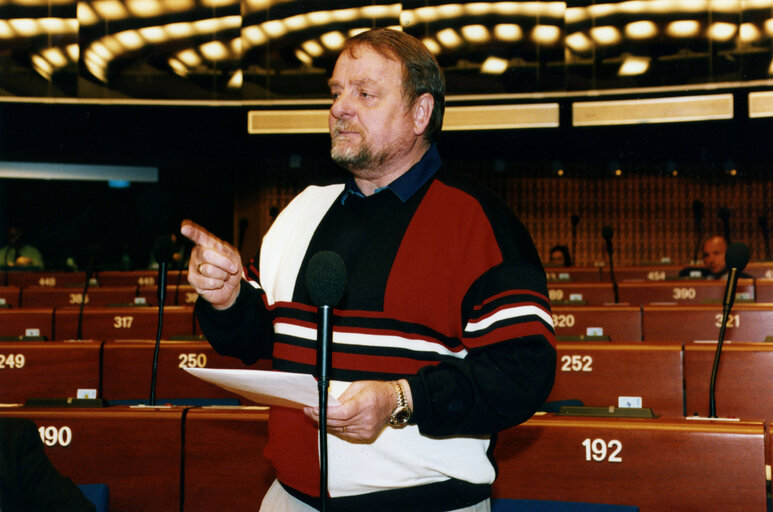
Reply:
x=370, y=124
x=714, y=254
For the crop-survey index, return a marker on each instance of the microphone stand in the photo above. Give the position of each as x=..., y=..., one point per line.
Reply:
x=732, y=281
x=324, y=361
x=161, y=299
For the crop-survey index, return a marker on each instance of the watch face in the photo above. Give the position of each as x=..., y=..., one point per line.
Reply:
x=400, y=416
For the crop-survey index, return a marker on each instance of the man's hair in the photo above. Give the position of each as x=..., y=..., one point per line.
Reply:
x=421, y=72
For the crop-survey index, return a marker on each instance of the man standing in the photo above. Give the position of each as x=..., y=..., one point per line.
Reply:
x=444, y=331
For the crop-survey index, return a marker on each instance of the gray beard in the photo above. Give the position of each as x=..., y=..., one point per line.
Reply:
x=361, y=162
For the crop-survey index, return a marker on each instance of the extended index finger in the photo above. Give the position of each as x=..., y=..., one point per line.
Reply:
x=200, y=236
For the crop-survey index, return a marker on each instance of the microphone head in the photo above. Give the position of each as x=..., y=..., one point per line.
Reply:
x=575, y=219
x=243, y=223
x=326, y=278
x=163, y=249
x=737, y=256
x=697, y=208
x=606, y=233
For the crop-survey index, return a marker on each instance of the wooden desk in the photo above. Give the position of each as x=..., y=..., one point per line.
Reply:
x=128, y=366
x=747, y=322
x=659, y=465
x=224, y=464
x=47, y=369
x=123, y=323
x=573, y=274
x=760, y=269
x=620, y=323
x=764, y=290
x=183, y=295
x=744, y=387
x=136, y=452
x=45, y=278
x=599, y=374
x=43, y=296
x=644, y=273
x=27, y=322
x=137, y=277
x=680, y=292
x=9, y=296
x=593, y=294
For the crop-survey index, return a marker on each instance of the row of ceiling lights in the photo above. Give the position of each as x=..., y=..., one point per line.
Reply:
x=101, y=52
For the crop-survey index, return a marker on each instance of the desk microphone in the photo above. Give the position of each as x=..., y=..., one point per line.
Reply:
x=736, y=258
x=697, y=213
x=606, y=234
x=94, y=250
x=575, y=219
x=325, y=282
x=163, y=249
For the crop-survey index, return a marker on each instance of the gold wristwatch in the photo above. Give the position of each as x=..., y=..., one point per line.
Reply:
x=402, y=413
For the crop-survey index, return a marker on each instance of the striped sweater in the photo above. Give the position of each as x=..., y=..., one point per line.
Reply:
x=445, y=289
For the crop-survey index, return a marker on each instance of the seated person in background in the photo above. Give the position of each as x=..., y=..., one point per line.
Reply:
x=28, y=480
x=17, y=253
x=559, y=257
x=714, y=249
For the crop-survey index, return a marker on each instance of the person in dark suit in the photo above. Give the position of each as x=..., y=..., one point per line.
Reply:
x=29, y=482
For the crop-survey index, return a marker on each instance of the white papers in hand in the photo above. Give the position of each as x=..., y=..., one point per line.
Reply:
x=266, y=387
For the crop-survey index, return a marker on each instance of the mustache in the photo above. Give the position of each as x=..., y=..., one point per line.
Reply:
x=344, y=126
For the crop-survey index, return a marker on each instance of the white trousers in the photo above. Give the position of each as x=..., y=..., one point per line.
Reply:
x=279, y=500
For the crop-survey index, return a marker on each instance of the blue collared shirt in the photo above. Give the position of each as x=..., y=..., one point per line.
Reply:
x=407, y=184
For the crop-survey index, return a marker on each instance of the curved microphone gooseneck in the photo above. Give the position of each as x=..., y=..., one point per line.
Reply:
x=736, y=258
x=326, y=283
x=163, y=250
x=606, y=234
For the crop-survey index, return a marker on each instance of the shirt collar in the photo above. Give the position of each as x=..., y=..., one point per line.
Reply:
x=408, y=183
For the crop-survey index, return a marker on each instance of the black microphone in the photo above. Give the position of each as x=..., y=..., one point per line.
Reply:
x=724, y=215
x=326, y=283
x=163, y=250
x=736, y=258
x=575, y=219
x=606, y=234
x=697, y=213
x=763, y=223
x=95, y=249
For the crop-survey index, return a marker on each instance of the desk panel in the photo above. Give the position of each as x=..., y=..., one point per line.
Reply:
x=43, y=296
x=680, y=292
x=123, y=323
x=23, y=278
x=760, y=269
x=128, y=369
x=599, y=373
x=620, y=323
x=224, y=464
x=747, y=322
x=183, y=295
x=644, y=273
x=592, y=294
x=146, y=277
x=659, y=465
x=764, y=290
x=9, y=296
x=47, y=369
x=573, y=274
x=27, y=322
x=744, y=387
x=136, y=452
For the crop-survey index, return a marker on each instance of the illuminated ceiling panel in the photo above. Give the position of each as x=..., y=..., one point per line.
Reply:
x=282, y=49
